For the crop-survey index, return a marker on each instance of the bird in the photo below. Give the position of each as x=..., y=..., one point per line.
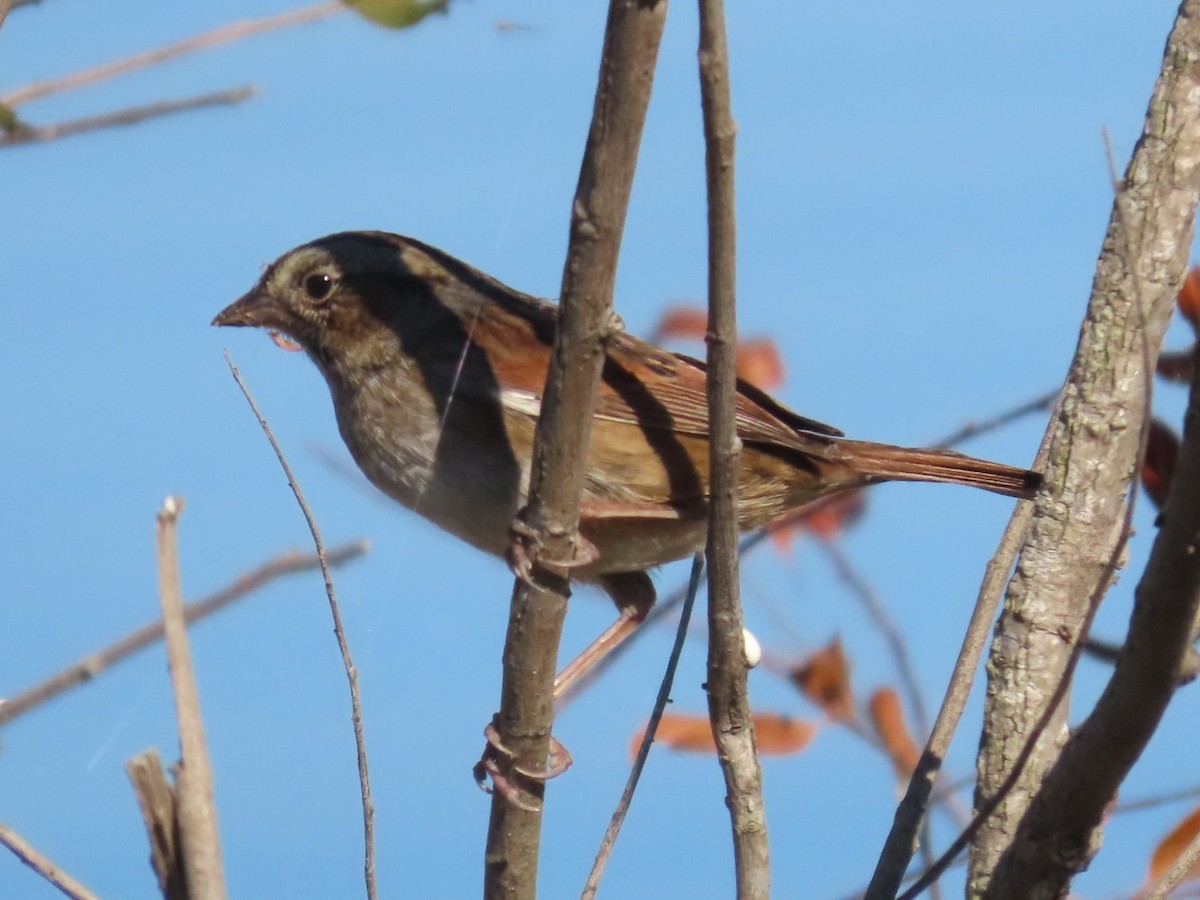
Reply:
x=436, y=372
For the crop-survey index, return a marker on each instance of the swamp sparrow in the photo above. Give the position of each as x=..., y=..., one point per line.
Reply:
x=437, y=371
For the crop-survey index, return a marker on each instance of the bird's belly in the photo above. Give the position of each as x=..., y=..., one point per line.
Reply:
x=629, y=545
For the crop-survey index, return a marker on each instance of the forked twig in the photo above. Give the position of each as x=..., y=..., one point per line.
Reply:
x=364, y=779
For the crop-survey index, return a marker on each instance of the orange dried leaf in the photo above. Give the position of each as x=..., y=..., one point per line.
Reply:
x=827, y=518
x=1158, y=468
x=680, y=731
x=825, y=680
x=887, y=715
x=1189, y=296
x=681, y=323
x=776, y=735
x=1170, y=848
x=758, y=362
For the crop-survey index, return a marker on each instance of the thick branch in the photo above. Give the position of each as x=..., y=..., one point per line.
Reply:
x=631, y=43
x=1079, y=521
x=1058, y=835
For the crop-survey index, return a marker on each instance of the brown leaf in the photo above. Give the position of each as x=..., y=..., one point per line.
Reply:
x=776, y=735
x=1158, y=468
x=825, y=680
x=758, y=362
x=887, y=715
x=681, y=323
x=1170, y=848
x=1188, y=300
x=827, y=518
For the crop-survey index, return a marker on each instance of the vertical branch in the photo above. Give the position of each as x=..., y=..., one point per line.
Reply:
x=197, y=813
x=631, y=41
x=728, y=701
x=1091, y=452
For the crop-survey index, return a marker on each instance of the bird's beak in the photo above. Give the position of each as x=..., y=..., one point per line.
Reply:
x=254, y=309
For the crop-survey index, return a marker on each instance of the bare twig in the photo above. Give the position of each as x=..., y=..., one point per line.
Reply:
x=160, y=814
x=226, y=34
x=974, y=429
x=1155, y=801
x=34, y=134
x=898, y=647
x=892, y=636
x=639, y=763
x=360, y=741
x=42, y=864
x=93, y=664
x=631, y=41
x=1174, y=876
x=728, y=699
x=899, y=846
x=196, y=811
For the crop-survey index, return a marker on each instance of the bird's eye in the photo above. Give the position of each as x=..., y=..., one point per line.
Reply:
x=319, y=286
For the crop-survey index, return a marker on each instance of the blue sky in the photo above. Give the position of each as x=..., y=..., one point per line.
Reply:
x=922, y=191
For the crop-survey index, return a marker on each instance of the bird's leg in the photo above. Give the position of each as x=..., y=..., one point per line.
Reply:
x=633, y=592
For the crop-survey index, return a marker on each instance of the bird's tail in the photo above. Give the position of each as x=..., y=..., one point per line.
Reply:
x=881, y=462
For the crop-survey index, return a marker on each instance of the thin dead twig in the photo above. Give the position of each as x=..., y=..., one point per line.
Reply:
x=35, y=134
x=639, y=762
x=360, y=741
x=93, y=664
x=43, y=865
x=160, y=815
x=1174, y=876
x=1156, y=801
x=899, y=845
x=199, y=841
x=226, y=34
x=974, y=429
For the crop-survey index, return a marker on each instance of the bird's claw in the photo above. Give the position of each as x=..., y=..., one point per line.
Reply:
x=524, y=543
x=558, y=761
